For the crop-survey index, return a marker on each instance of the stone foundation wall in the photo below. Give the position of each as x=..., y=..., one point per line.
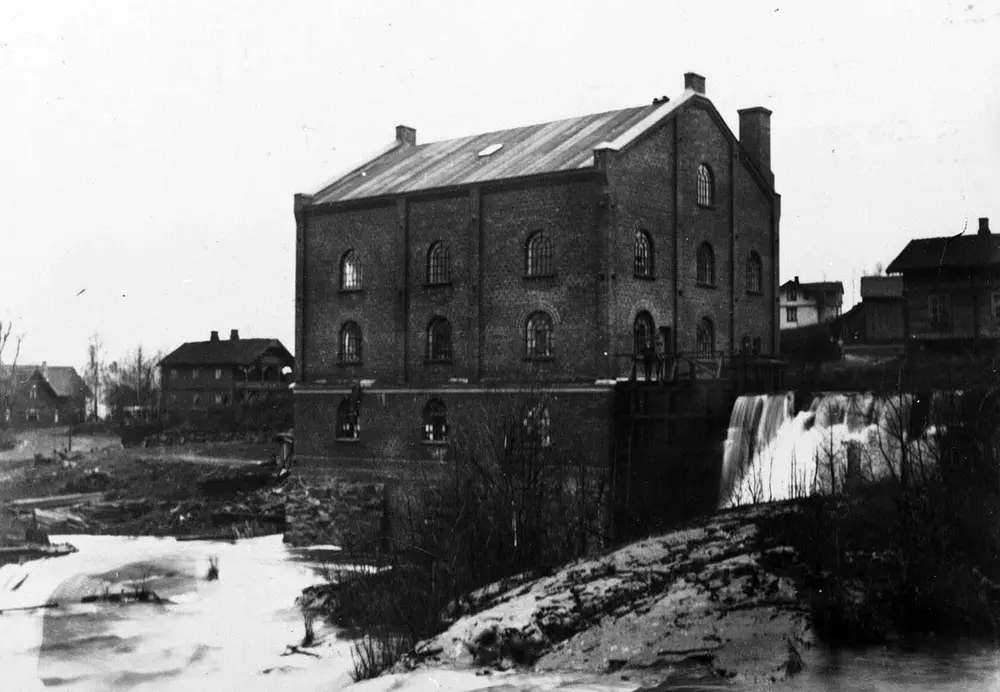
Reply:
x=330, y=510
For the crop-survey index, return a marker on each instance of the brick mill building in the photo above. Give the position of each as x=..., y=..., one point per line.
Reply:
x=524, y=268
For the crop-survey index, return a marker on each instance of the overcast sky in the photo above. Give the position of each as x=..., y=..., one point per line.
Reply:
x=151, y=149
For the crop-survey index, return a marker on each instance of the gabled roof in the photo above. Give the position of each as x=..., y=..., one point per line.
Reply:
x=955, y=252
x=62, y=379
x=560, y=146
x=881, y=287
x=825, y=287
x=242, y=352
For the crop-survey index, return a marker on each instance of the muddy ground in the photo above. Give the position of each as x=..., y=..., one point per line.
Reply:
x=210, y=490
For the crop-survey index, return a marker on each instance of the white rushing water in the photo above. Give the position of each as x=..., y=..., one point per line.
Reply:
x=773, y=453
x=227, y=634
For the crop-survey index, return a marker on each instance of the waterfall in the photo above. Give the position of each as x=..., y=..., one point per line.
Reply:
x=772, y=453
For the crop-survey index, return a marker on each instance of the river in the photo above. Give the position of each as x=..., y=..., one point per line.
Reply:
x=226, y=634
x=230, y=634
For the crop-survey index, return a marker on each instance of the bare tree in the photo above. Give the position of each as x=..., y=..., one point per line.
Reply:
x=8, y=375
x=95, y=368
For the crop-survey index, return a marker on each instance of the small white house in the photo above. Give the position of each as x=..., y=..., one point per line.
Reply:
x=805, y=304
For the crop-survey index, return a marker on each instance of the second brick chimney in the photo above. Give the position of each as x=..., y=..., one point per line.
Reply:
x=214, y=336
x=234, y=335
x=695, y=82
x=755, y=136
x=406, y=135
x=984, y=225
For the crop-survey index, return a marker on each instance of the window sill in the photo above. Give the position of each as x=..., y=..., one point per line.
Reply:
x=434, y=443
x=755, y=293
x=538, y=359
x=644, y=277
x=536, y=277
x=705, y=206
x=438, y=284
x=352, y=290
x=439, y=361
x=701, y=285
x=347, y=440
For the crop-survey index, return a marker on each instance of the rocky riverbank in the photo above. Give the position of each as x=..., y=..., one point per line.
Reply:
x=697, y=604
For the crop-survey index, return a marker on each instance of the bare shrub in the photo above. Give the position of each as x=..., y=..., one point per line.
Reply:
x=516, y=496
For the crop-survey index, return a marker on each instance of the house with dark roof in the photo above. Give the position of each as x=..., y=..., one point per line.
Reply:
x=806, y=304
x=951, y=287
x=211, y=375
x=449, y=277
x=46, y=395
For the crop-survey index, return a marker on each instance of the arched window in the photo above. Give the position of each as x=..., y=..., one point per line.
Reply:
x=350, y=343
x=706, y=337
x=745, y=345
x=348, y=427
x=755, y=273
x=642, y=332
x=643, y=255
x=438, y=267
x=536, y=426
x=538, y=335
x=435, y=422
x=706, y=186
x=538, y=260
x=350, y=272
x=706, y=265
x=439, y=340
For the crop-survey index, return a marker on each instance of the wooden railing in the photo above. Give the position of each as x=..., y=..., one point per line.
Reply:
x=751, y=372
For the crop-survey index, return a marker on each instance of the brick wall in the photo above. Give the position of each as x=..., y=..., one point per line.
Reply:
x=568, y=214
x=372, y=233
x=391, y=444
x=431, y=221
x=647, y=182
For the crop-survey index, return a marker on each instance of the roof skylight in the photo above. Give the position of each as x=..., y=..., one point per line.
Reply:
x=491, y=149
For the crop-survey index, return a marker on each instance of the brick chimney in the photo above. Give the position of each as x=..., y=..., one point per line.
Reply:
x=234, y=335
x=984, y=225
x=214, y=336
x=695, y=82
x=755, y=137
x=406, y=135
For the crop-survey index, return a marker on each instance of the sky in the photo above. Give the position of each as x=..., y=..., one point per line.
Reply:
x=151, y=150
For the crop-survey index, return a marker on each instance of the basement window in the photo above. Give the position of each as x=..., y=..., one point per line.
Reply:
x=491, y=149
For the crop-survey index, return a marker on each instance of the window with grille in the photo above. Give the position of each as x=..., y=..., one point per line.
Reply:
x=539, y=255
x=348, y=427
x=438, y=267
x=350, y=272
x=218, y=373
x=538, y=336
x=938, y=307
x=439, y=340
x=706, y=186
x=755, y=273
x=350, y=343
x=643, y=255
x=642, y=332
x=195, y=373
x=706, y=265
x=435, y=422
x=706, y=337
x=791, y=314
x=536, y=427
